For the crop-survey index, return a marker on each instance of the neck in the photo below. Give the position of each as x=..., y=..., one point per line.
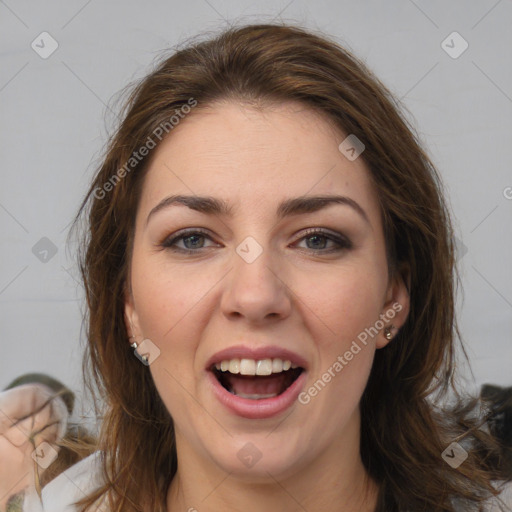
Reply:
x=314, y=495
x=335, y=480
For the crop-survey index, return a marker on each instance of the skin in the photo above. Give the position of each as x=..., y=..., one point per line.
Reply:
x=295, y=295
x=17, y=467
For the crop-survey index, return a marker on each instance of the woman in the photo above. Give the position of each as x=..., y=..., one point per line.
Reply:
x=267, y=237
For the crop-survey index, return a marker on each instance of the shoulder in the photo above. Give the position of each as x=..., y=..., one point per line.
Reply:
x=61, y=493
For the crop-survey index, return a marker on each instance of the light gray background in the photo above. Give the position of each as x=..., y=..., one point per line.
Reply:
x=53, y=128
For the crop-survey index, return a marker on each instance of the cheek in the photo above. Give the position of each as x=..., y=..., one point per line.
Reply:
x=344, y=362
x=343, y=303
x=167, y=307
x=170, y=305
x=342, y=309
x=166, y=297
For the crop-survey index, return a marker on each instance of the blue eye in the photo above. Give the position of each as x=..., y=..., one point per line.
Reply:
x=320, y=238
x=193, y=241
x=190, y=240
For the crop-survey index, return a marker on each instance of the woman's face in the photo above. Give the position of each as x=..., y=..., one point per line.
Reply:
x=270, y=279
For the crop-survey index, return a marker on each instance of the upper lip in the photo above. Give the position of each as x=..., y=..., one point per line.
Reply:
x=256, y=353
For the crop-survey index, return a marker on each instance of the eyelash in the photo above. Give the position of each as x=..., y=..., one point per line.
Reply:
x=343, y=242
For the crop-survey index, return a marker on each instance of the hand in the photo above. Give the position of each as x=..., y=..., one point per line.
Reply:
x=28, y=418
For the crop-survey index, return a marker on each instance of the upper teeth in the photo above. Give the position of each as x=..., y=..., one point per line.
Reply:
x=255, y=367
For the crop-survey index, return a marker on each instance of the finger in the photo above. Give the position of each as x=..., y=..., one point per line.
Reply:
x=20, y=402
x=20, y=433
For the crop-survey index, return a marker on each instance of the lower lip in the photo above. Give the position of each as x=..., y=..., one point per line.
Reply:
x=257, y=409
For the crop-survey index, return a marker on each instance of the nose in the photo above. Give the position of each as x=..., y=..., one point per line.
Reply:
x=256, y=291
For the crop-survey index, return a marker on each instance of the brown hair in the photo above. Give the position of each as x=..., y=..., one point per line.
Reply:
x=403, y=431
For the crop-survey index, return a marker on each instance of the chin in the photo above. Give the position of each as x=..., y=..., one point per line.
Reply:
x=258, y=458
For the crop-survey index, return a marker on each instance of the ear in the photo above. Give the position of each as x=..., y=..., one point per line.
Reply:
x=397, y=305
x=131, y=317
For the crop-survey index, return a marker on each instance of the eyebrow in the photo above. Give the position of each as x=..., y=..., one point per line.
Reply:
x=294, y=206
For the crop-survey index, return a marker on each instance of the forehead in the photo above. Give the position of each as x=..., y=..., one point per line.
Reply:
x=254, y=157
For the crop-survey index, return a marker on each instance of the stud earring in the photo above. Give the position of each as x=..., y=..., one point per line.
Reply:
x=143, y=357
x=387, y=333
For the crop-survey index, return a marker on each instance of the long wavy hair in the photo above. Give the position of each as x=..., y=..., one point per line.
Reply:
x=404, y=427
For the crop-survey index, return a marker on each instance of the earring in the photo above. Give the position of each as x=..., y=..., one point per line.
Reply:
x=143, y=357
x=134, y=344
x=387, y=333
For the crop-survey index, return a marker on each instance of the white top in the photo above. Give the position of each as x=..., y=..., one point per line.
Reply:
x=73, y=484
x=62, y=492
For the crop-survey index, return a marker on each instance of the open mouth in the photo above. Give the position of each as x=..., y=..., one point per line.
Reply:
x=256, y=379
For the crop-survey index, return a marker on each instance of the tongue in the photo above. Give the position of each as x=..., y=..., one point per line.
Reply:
x=260, y=385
